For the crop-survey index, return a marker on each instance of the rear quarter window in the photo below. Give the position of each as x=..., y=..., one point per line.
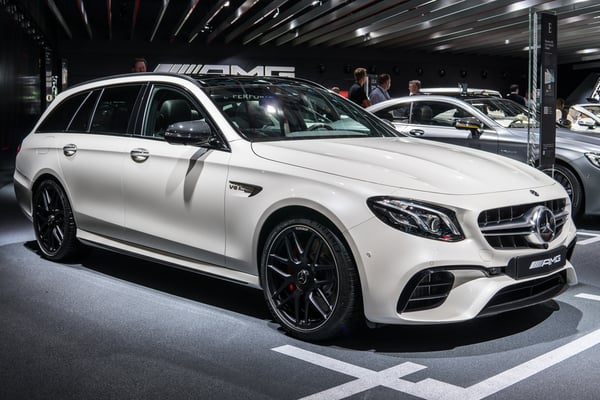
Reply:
x=60, y=117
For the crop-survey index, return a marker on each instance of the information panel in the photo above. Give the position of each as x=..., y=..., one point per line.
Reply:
x=548, y=93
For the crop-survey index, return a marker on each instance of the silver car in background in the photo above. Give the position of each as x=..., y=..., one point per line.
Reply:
x=584, y=118
x=503, y=130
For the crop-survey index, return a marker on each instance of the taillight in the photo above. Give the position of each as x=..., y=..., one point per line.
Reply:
x=18, y=148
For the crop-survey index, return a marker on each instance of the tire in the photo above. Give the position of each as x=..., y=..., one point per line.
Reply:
x=53, y=222
x=310, y=281
x=569, y=181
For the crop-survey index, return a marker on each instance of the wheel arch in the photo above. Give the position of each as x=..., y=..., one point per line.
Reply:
x=298, y=211
x=576, y=173
x=49, y=175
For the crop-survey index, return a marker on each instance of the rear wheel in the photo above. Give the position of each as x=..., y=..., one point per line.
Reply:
x=310, y=281
x=569, y=181
x=53, y=222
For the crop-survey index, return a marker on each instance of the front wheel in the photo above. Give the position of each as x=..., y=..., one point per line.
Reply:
x=569, y=181
x=53, y=222
x=310, y=281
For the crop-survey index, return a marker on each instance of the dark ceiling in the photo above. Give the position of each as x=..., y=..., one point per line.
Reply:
x=478, y=27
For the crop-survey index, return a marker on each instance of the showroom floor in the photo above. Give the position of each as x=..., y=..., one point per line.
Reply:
x=114, y=327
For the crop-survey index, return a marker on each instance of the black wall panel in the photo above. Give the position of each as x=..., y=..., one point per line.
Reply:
x=330, y=67
x=19, y=88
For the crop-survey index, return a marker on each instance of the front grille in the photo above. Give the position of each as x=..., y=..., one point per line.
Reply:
x=509, y=227
x=526, y=294
x=426, y=290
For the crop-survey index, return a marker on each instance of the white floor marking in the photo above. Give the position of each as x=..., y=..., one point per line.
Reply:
x=432, y=389
x=594, y=238
x=588, y=296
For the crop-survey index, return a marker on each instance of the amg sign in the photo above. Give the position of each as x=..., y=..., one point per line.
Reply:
x=221, y=69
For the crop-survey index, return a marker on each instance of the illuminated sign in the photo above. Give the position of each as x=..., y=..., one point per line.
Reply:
x=223, y=69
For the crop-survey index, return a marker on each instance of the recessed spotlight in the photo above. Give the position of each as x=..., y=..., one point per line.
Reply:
x=507, y=41
x=587, y=51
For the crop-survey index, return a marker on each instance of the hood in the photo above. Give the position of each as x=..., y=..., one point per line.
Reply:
x=414, y=164
x=588, y=140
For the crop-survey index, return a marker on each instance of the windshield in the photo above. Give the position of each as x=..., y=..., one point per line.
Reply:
x=593, y=109
x=286, y=111
x=506, y=112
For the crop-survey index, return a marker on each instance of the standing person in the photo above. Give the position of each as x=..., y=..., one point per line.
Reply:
x=357, y=93
x=380, y=92
x=515, y=96
x=139, y=65
x=560, y=111
x=414, y=87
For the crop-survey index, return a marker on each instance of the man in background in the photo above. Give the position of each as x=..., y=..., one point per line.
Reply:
x=357, y=93
x=515, y=96
x=414, y=87
x=139, y=65
x=380, y=92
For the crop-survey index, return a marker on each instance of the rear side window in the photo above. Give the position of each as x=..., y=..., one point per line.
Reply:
x=114, y=109
x=60, y=117
x=81, y=121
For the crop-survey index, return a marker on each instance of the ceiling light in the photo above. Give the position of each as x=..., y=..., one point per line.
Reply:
x=587, y=51
x=226, y=4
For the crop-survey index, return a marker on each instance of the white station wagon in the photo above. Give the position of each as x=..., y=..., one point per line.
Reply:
x=282, y=185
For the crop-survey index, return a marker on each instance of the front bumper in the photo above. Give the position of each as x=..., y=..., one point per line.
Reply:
x=390, y=262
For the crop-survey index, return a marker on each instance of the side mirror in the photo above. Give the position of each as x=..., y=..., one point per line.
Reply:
x=471, y=124
x=196, y=133
x=590, y=123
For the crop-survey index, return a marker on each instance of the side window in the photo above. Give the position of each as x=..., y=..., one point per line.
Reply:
x=397, y=113
x=60, y=117
x=167, y=106
x=81, y=121
x=114, y=109
x=436, y=113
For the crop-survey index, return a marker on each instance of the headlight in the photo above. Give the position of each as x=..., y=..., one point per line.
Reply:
x=594, y=158
x=417, y=218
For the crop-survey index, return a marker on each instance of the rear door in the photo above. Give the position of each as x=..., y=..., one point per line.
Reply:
x=92, y=154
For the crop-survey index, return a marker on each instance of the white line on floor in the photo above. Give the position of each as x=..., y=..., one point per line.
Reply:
x=593, y=239
x=588, y=296
x=432, y=389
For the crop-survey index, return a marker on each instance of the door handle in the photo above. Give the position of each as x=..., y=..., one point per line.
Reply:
x=69, y=149
x=416, y=132
x=139, y=155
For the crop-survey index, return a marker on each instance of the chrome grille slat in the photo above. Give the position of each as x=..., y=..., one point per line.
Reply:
x=508, y=227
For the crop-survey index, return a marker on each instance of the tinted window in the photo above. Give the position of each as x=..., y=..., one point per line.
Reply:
x=113, y=112
x=61, y=115
x=81, y=121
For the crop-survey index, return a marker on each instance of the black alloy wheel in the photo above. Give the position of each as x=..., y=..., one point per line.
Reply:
x=310, y=281
x=53, y=222
x=569, y=181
